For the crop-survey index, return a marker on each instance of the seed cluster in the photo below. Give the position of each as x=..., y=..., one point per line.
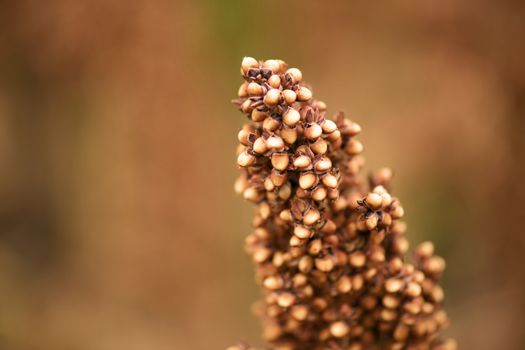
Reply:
x=329, y=247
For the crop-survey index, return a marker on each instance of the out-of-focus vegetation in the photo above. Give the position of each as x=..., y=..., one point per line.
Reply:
x=118, y=223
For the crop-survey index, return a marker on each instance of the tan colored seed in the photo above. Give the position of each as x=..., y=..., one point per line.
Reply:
x=304, y=94
x=344, y=284
x=275, y=142
x=357, y=259
x=272, y=97
x=325, y=264
x=274, y=81
x=285, y=299
x=339, y=329
x=354, y=147
x=374, y=200
x=299, y=312
x=319, y=194
x=259, y=146
x=390, y=301
x=273, y=282
x=258, y=116
x=328, y=126
x=273, y=65
x=311, y=217
x=280, y=161
x=329, y=181
x=371, y=222
x=413, y=289
x=254, y=89
x=289, y=96
x=289, y=135
x=306, y=264
x=295, y=74
x=393, y=285
x=291, y=117
x=323, y=164
x=425, y=249
x=307, y=180
x=247, y=63
x=301, y=232
x=286, y=215
x=319, y=147
x=302, y=162
x=313, y=131
x=245, y=159
x=243, y=90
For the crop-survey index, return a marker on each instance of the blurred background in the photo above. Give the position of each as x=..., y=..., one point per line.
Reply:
x=119, y=228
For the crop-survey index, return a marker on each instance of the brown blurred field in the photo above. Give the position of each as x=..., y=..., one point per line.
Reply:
x=119, y=228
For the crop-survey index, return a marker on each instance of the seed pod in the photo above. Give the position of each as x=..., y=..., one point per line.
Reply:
x=272, y=97
x=371, y=222
x=354, y=147
x=278, y=178
x=289, y=96
x=324, y=264
x=271, y=124
x=304, y=94
x=246, y=106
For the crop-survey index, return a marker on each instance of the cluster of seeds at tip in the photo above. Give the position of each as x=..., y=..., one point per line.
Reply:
x=329, y=247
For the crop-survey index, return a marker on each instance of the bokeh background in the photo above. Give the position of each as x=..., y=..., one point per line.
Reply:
x=119, y=228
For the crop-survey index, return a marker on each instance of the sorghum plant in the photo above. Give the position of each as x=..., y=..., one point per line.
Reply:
x=328, y=245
